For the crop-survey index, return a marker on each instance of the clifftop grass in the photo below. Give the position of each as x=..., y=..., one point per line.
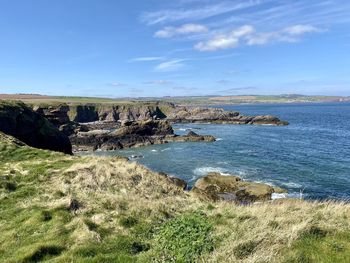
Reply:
x=60, y=208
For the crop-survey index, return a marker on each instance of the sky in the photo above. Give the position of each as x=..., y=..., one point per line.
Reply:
x=141, y=48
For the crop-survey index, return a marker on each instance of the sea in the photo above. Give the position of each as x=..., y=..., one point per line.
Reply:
x=310, y=157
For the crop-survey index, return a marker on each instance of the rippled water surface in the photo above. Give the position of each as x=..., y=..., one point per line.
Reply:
x=311, y=155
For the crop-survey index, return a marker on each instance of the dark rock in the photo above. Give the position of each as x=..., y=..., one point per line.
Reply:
x=57, y=115
x=21, y=122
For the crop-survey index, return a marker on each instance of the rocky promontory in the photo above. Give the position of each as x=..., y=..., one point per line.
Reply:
x=219, y=116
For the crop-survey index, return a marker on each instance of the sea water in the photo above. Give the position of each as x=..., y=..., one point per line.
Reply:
x=311, y=156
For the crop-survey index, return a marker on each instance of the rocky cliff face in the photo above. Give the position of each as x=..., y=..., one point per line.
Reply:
x=21, y=122
x=141, y=111
x=62, y=114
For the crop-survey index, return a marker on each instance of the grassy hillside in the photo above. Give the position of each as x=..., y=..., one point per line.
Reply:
x=59, y=208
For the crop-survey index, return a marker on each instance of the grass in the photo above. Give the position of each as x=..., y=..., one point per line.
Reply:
x=59, y=208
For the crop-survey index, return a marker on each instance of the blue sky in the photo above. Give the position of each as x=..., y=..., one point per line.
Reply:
x=135, y=48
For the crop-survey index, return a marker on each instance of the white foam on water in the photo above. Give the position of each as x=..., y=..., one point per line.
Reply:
x=275, y=196
x=201, y=171
x=154, y=150
x=166, y=149
x=293, y=185
x=219, y=139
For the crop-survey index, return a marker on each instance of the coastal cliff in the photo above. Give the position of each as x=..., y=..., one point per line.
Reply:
x=140, y=111
x=22, y=122
x=62, y=208
x=116, y=126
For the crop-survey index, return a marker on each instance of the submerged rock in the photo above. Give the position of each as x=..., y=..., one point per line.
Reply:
x=215, y=187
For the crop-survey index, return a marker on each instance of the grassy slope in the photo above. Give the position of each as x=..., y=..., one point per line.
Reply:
x=128, y=214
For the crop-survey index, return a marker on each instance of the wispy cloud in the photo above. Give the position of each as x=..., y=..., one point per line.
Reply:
x=234, y=90
x=116, y=84
x=248, y=35
x=300, y=29
x=160, y=82
x=172, y=15
x=168, y=32
x=145, y=59
x=170, y=65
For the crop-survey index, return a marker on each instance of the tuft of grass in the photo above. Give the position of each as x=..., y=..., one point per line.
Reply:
x=245, y=249
x=128, y=221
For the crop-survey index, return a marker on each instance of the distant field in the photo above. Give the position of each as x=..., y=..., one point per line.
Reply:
x=192, y=100
x=38, y=99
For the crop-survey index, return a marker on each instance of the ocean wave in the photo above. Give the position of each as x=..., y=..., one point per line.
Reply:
x=154, y=150
x=292, y=185
x=166, y=149
x=201, y=171
x=219, y=139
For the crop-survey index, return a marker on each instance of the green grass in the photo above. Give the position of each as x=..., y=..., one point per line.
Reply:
x=320, y=247
x=184, y=238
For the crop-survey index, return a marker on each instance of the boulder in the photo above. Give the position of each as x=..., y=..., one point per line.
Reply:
x=215, y=187
x=21, y=122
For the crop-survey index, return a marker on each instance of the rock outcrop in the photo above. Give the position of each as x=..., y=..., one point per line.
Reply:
x=133, y=124
x=215, y=187
x=214, y=115
x=133, y=134
x=21, y=122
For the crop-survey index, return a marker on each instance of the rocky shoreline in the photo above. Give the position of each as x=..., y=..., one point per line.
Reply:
x=52, y=128
x=90, y=127
x=93, y=127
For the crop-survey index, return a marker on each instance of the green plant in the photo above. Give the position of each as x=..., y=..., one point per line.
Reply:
x=184, y=238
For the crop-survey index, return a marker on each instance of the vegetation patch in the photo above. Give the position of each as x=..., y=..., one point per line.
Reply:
x=245, y=249
x=320, y=249
x=184, y=238
x=43, y=253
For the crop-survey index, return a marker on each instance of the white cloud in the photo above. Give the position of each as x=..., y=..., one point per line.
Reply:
x=171, y=65
x=168, y=32
x=247, y=35
x=300, y=29
x=225, y=41
x=144, y=59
